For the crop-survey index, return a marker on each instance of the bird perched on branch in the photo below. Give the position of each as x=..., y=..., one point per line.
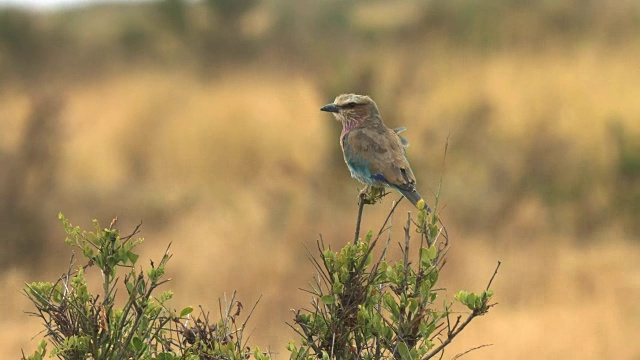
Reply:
x=373, y=152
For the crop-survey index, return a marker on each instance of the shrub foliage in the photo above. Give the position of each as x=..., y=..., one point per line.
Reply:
x=367, y=307
x=363, y=306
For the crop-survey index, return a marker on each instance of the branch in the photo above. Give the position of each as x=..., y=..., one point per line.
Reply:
x=389, y=217
x=451, y=336
x=466, y=322
x=361, y=202
x=494, y=275
x=470, y=350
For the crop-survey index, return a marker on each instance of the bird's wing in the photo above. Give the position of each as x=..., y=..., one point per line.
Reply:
x=382, y=149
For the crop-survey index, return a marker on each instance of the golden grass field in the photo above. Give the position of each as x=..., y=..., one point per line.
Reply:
x=235, y=170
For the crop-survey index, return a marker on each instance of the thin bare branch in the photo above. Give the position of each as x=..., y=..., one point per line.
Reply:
x=494, y=275
x=361, y=203
x=458, y=356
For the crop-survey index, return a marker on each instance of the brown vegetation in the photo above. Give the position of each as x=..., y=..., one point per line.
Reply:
x=208, y=131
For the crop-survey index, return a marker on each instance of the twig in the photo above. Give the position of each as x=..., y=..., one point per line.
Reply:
x=125, y=344
x=455, y=331
x=389, y=217
x=244, y=325
x=450, y=337
x=494, y=275
x=407, y=238
x=375, y=241
x=455, y=325
x=458, y=356
x=444, y=158
x=315, y=262
x=361, y=204
x=133, y=233
x=251, y=312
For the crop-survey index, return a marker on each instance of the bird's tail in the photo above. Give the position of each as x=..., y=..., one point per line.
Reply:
x=414, y=197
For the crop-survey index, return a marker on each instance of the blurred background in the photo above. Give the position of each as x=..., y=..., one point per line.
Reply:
x=201, y=120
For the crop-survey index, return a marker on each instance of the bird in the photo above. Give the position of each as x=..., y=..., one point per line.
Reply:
x=374, y=153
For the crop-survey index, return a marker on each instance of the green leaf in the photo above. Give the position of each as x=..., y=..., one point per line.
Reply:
x=132, y=257
x=137, y=343
x=40, y=352
x=462, y=296
x=478, y=303
x=413, y=304
x=130, y=287
x=369, y=236
x=165, y=296
x=338, y=287
x=164, y=356
x=186, y=311
x=367, y=262
x=111, y=262
x=403, y=349
x=433, y=277
x=431, y=253
x=390, y=273
x=328, y=300
x=391, y=305
x=291, y=346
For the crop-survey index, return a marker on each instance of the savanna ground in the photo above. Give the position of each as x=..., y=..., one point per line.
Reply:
x=202, y=121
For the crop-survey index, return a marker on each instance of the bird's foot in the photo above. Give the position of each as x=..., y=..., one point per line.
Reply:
x=371, y=194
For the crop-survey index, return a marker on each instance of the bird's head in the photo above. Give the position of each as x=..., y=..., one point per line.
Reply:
x=352, y=108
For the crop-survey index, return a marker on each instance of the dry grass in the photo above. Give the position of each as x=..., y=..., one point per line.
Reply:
x=234, y=171
x=556, y=301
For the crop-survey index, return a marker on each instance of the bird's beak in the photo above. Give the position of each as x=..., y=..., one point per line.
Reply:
x=330, y=108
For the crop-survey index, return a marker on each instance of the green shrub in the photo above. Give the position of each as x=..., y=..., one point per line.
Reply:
x=82, y=325
x=364, y=305
x=366, y=309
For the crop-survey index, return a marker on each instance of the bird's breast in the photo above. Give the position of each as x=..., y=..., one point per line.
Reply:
x=343, y=138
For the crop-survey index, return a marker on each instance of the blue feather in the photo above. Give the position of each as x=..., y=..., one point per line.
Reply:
x=380, y=177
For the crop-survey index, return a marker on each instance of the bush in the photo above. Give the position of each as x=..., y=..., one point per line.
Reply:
x=365, y=309
x=81, y=325
x=364, y=306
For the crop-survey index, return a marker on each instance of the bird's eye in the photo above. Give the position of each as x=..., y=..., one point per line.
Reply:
x=350, y=105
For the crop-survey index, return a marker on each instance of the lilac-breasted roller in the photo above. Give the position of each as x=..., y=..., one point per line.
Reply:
x=373, y=152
